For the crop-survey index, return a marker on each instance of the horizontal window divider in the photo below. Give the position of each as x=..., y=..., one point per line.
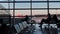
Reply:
x=27, y=8
x=32, y=15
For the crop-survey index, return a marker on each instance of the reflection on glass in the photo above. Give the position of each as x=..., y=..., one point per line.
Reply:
x=5, y=5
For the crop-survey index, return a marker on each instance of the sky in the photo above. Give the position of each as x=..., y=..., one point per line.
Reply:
x=34, y=5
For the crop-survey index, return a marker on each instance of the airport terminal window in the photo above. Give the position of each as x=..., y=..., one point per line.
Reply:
x=22, y=5
x=11, y=5
x=21, y=8
x=11, y=12
x=22, y=12
x=54, y=0
x=39, y=12
x=56, y=11
x=6, y=0
x=3, y=0
x=22, y=0
x=54, y=5
x=39, y=0
x=4, y=5
x=39, y=5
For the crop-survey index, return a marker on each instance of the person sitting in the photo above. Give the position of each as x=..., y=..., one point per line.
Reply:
x=42, y=21
x=55, y=19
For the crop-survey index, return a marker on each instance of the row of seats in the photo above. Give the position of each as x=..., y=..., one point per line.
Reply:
x=50, y=25
x=23, y=27
x=51, y=30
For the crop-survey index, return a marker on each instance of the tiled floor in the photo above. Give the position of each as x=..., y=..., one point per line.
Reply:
x=37, y=31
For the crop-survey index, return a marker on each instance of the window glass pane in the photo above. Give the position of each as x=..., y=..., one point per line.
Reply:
x=11, y=0
x=11, y=12
x=39, y=5
x=4, y=5
x=11, y=5
x=22, y=0
x=22, y=12
x=54, y=5
x=6, y=0
x=39, y=0
x=54, y=0
x=57, y=11
x=4, y=12
x=22, y=5
x=3, y=0
x=39, y=12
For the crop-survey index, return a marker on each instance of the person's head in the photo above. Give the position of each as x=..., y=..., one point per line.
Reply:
x=26, y=18
x=54, y=17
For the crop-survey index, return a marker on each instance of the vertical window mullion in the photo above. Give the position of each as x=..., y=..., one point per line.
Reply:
x=13, y=11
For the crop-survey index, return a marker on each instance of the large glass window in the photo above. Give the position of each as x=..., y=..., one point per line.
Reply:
x=6, y=0
x=22, y=5
x=39, y=0
x=22, y=0
x=56, y=11
x=20, y=8
x=22, y=12
x=11, y=12
x=39, y=12
x=54, y=5
x=4, y=5
x=11, y=5
x=39, y=5
x=54, y=0
x=3, y=0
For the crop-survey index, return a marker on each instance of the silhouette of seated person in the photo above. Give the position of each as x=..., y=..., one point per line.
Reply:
x=45, y=20
x=54, y=19
x=3, y=27
x=42, y=21
x=27, y=19
x=48, y=19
